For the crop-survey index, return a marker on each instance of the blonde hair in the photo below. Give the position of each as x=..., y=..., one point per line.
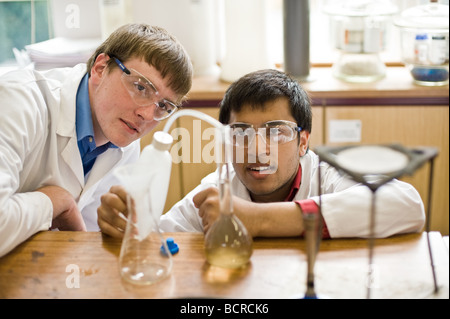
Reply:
x=156, y=47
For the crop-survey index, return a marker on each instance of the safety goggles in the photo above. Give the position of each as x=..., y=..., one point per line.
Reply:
x=273, y=132
x=144, y=93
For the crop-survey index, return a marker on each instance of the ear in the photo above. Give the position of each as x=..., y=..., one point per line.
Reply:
x=99, y=68
x=304, y=143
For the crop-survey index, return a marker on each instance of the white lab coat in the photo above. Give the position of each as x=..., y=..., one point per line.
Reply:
x=38, y=147
x=345, y=204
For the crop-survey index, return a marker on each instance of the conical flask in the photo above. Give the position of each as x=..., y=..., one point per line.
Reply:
x=228, y=244
x=142, y=261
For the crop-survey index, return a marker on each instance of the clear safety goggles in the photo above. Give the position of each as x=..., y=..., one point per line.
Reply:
x=144, y=93
x=273, y=132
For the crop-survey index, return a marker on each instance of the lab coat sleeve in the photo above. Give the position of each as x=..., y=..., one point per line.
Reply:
x=183, y=216
x=346, y=208
x=21, y=214
x=25, y=215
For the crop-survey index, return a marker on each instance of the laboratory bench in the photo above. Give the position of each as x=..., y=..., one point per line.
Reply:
x=53, y=264
x=391, y=110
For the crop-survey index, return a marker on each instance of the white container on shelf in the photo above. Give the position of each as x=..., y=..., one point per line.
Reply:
x=192, y=22
x=246, y=43
x=113, y=14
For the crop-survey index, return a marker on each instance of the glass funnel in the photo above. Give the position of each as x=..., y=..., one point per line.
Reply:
x=228, y=244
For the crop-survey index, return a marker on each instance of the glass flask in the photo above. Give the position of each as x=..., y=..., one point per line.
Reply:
x=144, y=255
x=228, y=243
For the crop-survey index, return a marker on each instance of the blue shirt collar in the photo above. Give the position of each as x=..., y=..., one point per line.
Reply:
x=84, y=126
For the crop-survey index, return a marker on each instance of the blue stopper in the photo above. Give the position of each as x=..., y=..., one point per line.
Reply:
x=172, y=245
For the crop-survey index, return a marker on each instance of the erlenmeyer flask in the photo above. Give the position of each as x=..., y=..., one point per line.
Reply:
x=228, y=244
x=142, y=261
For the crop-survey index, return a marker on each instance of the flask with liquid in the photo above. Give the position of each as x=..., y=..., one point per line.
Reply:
x=228, y=243
x=144, y=255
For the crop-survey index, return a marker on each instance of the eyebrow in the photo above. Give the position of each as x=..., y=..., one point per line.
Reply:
x=145, y=78
x=128, y=72
x=240, y=124
x=152, y=85
x=275, y=122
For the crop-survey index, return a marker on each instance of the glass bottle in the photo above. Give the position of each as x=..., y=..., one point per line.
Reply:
x=144, y=255
x=228, y=243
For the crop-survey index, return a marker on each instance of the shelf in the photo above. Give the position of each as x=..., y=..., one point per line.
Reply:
x=396, y=88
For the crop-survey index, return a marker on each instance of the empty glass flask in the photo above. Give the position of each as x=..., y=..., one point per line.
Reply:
x=144, y=255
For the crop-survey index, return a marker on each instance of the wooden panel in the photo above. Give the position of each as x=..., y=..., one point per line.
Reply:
x=317, y=135
x=197, y=166
x=409, y=126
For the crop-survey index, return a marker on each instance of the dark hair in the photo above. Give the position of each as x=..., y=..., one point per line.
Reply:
x=155, y=46
x=257, y=88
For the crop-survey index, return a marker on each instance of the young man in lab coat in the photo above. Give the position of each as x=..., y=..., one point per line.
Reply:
x=276, y=182
x=63, y=131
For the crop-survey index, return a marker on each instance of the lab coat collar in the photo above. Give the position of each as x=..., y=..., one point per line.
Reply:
x=103, y=165
x=66, y=128
x=68, y=95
